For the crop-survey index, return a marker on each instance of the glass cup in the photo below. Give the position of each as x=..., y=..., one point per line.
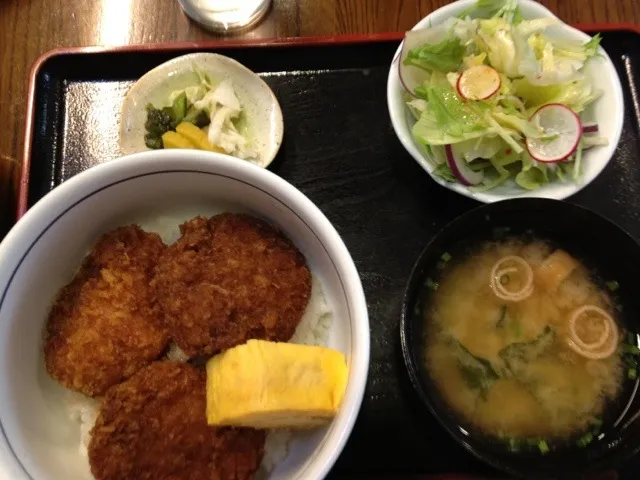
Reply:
x=226, y=16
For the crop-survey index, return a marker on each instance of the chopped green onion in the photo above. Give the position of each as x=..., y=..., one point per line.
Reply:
x=613, y=285
x=632, y=349
x=500, y=232
x=446, y=256
x=430, y=284
x=543, y=447
x=514, y=444
x=517, y=328
x=631, y=337
x=585, y=440
x=503, y=316
x=441, y=265
x=633, y=373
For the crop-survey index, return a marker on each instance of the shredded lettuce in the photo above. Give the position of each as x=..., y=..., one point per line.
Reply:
x=486, y=147
x=535, y=69
x=531, y=179
x=447, y=119
x=496, y=40
x=444, y=172
x=577, y=164
x=474, y=60
x=443, y=56
x=591, y=47
x=507, y=9
x=417, y=106
x=576, y=95
x=589, y=141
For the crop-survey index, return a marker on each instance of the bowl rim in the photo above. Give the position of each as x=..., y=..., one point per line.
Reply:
x=413, y=284
x=52, y=206
x=397, y=113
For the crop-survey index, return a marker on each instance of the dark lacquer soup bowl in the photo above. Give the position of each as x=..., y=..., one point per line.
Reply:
x=559, y=398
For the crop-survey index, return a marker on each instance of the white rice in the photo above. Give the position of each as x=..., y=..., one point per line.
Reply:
x=314, y=329
x=84, y=410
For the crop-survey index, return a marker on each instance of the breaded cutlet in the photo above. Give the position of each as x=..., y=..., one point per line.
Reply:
x=228, y=279
x=153, y=427
x=104, y=325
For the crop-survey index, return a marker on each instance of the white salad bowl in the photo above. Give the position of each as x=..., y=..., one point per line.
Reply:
x=263, y=124
x=42, y=252
x=607, y=111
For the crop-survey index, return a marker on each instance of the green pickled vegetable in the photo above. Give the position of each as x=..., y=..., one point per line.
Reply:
x=198, y=117
x=153, y=141
x=158, y=121
x=179, y=108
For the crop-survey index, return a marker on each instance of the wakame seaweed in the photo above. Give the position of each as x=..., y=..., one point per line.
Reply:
x=517, y=355
x=477, y=372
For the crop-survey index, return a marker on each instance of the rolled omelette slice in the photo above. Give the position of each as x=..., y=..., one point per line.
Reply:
x=263, y=384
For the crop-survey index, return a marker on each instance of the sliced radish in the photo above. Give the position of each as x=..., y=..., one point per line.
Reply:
x=461, y=170
x=478, y=83
x=410, y=76
x=589, y=127
x=563, y=130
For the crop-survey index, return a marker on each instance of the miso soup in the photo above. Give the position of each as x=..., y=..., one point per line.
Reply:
x=521, y=341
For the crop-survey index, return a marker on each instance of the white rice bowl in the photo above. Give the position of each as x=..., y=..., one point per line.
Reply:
x=42, y=424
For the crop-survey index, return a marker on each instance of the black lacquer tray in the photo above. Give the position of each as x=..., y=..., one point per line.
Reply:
x=340, y=150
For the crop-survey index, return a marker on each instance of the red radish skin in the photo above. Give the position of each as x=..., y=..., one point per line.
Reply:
x=404, y=84
x=590, y=128
x=566, y=153
x=411, y=76
x=478, y=83
x=461, y=170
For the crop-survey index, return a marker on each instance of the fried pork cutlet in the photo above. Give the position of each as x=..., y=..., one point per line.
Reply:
x=153, y=426
x=228, y=279
x=104, y=325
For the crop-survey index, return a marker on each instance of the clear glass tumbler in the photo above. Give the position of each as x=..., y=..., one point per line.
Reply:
x=226, y=16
